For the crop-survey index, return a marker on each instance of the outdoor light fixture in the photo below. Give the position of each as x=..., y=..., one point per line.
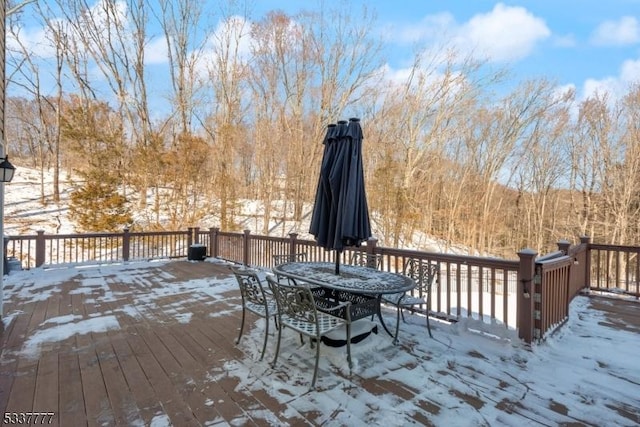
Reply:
x=6, y=170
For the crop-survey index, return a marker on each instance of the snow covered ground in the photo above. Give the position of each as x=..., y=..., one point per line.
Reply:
x=24, y=213
x=582, y=375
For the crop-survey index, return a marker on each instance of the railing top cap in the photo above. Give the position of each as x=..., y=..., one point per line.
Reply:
x=528, y=251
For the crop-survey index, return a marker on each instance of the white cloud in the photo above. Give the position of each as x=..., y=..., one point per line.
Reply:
x=504, y=34
x=568, y=40
x=432, y=27
x=395, y=76
x=630, y=71
x=36, y=41
x=155, y=52
x=230, y=36
x=615, y=86
x=607, y=85
x=563, y=90
x=41, y=41
x=624, y=31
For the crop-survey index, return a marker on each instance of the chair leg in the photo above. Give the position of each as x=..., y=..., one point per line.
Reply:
x=428, y=310
x=315, y=371
x=241, y=326
x=349, y=347
x=266, y=335
x=395, y=338
x=275, y=358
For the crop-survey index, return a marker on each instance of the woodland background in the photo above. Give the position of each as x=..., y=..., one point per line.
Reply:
x=455, y=148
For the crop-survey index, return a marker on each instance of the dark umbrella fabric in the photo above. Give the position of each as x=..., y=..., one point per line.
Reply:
x=340, y=216
x=321, y=210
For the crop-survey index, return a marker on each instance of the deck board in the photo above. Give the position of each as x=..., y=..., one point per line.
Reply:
x=169, y=398
x=72, y=403
x=46, y=396
x=172, y=357
x=137, y=381
x=94, y=389
x=122, y=401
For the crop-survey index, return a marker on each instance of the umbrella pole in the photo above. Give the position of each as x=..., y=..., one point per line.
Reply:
x=338, y=262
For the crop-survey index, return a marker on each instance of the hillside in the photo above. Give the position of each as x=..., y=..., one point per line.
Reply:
x=24, y=213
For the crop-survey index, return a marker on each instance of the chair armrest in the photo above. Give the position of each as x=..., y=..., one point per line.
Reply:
x=356, y=298
x=328, y=305
x=337, y=309
x=339, y=306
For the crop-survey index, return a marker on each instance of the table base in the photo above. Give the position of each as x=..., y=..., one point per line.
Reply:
x=362, y=305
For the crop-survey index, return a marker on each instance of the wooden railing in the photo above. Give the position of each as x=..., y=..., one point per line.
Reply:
x=552, y=293
x=55, y=249
x=615, y=269
x=531, y=294
x=472, y=287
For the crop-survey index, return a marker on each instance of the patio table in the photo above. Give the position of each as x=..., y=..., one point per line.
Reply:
x=363, y=286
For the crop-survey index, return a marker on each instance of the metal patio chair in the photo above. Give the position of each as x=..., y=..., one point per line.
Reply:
x=284, y=258
x=297, y=310
x=424, y=274
x=255, y=299
x=364, y=259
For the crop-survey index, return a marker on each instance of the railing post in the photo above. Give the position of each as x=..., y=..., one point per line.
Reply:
x=196, y=235
x=40, y=248
x=245, y=247
x=292, y=243
x=126, y=245
x=213, y=241
x=189, y=237
x=526, y=292
x=586, y=240
x=372, y=244
x=564, y=245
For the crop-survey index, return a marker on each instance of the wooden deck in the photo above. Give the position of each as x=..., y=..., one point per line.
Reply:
x=156, y=355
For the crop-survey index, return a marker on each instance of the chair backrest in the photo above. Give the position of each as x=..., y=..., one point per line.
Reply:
x=294, y=302
x=284, y=258
x=250, y=286
x=423, y=273
x=367, y=260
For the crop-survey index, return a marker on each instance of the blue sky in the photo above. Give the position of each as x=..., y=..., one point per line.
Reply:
x=588, y=44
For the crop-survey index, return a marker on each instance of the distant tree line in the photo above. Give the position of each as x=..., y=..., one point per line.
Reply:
x=448, y=151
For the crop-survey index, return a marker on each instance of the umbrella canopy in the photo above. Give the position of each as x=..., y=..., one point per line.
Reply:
x=340, y=215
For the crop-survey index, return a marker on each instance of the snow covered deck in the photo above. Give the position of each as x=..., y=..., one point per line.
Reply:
x=153, y=343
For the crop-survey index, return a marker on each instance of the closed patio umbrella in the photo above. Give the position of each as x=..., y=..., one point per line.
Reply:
x=340, y=215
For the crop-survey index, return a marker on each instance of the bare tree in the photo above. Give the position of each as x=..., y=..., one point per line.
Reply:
x=621, y=169
x=43, y=127
x=541, y=174
x=418, y=116
x=113, y=35
x=307, y=72
x=586, y=178
x=181, y=21
x=223, y=122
